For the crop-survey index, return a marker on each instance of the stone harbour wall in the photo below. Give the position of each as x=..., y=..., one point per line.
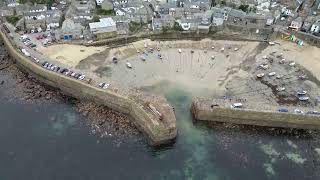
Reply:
x=202, y=111
x=157, y=132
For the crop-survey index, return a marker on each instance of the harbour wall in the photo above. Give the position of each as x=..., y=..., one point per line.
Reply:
x=231, y=32
x=202, y=111
x=157, y=132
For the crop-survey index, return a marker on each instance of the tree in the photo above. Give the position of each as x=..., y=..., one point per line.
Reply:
x=244, y=7
x=213, y=3
x=165, y=29
x=177, y=27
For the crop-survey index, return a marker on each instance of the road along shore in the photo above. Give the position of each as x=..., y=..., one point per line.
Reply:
x=151, y=113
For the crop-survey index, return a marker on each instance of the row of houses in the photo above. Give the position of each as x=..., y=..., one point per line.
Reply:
x=215, y=17
x=310, y=24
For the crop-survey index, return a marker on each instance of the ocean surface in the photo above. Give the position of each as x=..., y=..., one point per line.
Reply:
x=53, y=142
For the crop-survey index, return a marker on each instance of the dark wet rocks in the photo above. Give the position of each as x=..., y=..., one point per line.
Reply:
x=108, y=123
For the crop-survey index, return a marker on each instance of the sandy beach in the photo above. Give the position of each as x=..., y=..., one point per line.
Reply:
x=69, y=54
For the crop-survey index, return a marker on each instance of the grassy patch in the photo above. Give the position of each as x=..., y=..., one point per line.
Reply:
x=13, y=19
x=104, y=12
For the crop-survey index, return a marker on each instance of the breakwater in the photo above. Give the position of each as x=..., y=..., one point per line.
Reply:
x=134, y=104
x=203, y=111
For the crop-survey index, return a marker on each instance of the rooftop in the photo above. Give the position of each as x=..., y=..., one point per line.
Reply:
x=104, y=22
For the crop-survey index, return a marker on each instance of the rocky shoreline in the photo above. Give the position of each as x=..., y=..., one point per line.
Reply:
x=25, y=89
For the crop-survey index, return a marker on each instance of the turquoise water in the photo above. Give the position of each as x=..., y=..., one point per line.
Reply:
x=54, y=142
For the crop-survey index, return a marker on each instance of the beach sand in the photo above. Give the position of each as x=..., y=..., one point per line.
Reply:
x=192, y=70
x=69, y=54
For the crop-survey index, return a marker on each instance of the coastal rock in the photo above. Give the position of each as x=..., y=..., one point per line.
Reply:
x=48, y=96
x=85, y=113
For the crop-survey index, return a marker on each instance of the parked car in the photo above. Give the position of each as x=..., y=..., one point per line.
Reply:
x=283, y=110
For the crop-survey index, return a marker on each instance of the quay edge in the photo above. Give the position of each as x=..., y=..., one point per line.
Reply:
x=202, y=111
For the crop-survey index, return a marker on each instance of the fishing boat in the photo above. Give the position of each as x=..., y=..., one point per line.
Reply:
x=304, y=98
x=179, y=50
x=129, y=65
x=260, y=75
x=301, y=92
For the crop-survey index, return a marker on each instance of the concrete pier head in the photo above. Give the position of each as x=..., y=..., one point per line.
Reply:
x=203, y=111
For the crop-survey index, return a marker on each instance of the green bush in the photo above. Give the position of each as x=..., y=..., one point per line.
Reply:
x=244, y=7
x=134, y=26
x=177, y=27
x=104, y=12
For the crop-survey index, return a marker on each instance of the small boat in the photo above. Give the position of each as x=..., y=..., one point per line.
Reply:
x=138, y=51
x=158, y=49
x=159, y=56
x=145, y=45
x=272, y=73
x=302, y=77
x=236, y=49
x=212, y=47
x=143, y=58
x=272, y=43
x=213, y=57
x=301, y=93
x=114, y=59
x=260, y=75
x=279, y=89
x=282, y=61
x=292, y=64
x=236, y=105
x=262, y=66
x=129, y=65
x=304, y=98
x=179, y=50
x=278, y=76
x=222, y=49
x=264, y=57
